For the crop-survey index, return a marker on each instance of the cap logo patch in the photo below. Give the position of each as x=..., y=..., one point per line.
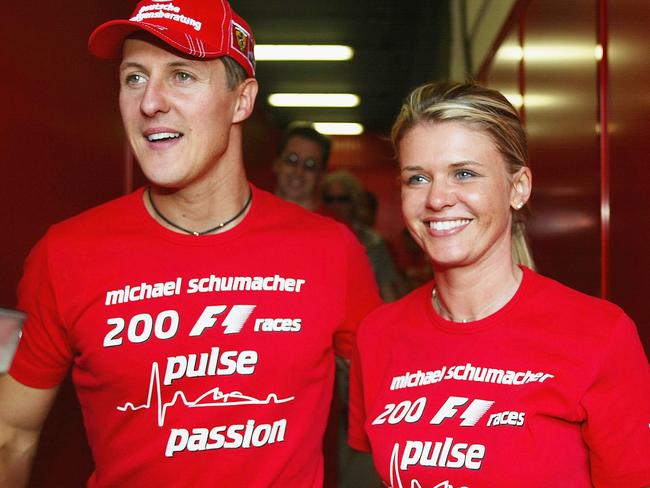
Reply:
x=167, y=11
x=241, y=39
x=242, y=42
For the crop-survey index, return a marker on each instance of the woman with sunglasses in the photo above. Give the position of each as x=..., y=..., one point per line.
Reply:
x=345, y=200
x=491, y=375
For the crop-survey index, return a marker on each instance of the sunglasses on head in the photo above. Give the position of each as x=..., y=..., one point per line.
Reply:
x=308, y=164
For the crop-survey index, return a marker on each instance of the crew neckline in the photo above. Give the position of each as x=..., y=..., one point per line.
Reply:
x=155, y=228
x=481, y=324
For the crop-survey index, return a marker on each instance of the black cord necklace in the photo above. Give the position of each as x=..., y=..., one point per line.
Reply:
x=208, y=231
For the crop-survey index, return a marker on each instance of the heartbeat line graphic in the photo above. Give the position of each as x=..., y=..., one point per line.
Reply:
x=394, y=472
x=218, y=398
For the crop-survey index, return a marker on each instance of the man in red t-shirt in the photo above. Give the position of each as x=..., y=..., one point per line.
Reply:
x=199, y=315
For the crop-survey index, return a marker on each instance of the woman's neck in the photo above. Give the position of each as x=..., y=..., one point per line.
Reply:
x=469, y=294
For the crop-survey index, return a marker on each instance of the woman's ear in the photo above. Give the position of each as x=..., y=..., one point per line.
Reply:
x=522, y=185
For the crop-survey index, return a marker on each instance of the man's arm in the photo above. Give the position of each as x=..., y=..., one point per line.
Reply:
x=22, y=413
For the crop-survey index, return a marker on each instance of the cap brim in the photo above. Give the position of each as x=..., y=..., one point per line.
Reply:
x=107, y=40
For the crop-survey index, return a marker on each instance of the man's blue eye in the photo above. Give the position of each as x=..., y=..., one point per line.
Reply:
x=182, y=76
x=134, y=79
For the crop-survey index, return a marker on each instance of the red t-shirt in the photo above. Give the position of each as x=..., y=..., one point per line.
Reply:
x=553, y=390
x=198, y=361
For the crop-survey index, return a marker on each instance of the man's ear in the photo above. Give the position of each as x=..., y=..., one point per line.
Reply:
x=247, y=92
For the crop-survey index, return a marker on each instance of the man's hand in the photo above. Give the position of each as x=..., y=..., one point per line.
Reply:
x=22, y=413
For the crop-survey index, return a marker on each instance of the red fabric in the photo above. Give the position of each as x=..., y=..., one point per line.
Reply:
x=574, y=410
x=264, y=394
x=200, y=28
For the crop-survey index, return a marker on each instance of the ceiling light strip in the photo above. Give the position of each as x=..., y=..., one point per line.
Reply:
x=313, y=100
x=339, y=128
x=303, y=52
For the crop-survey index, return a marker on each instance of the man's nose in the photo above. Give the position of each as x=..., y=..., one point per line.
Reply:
x=154, y=98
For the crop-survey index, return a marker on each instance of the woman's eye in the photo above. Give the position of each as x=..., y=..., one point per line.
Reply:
x=464, y=174
x=416, y=180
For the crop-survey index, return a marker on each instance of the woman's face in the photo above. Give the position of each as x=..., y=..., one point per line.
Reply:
x=457, y=194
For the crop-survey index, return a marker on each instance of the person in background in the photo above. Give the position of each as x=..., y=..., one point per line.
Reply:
x=301, y=161
x=491, y=375
x=368, y=209
x=345, y=199
x=199, y=315
x=416, y=266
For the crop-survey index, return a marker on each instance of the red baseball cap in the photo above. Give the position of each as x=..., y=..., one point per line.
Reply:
x=201, y=28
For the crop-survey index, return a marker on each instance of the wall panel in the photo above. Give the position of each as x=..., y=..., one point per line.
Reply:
x=628, y=101
x=561, y=118
x=590, y=202
x=504, y=72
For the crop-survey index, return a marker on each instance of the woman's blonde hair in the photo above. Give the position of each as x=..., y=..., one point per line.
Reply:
x=482, y=108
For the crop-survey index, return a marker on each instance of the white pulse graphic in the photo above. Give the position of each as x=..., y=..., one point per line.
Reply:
x=218, y=398
x=395, y=476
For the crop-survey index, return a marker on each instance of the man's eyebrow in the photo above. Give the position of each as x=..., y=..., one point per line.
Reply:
x=181, y=64
x=130, y=64
x=173, y=64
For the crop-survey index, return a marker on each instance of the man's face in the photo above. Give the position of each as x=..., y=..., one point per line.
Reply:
x=299, y=169
x=177, y=113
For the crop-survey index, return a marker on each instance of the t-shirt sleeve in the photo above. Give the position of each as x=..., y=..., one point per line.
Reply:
x=357, y=437
x=43, y=356
x=617, y=405
x=361, y=296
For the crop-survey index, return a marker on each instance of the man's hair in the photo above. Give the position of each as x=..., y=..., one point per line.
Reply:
x=235, y=74
x=307, y=132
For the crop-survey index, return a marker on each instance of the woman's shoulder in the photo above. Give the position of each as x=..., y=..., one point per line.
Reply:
x=551, y=292
x=554, y=305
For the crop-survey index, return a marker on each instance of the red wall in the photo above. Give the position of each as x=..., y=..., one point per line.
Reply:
x=587, y=121
x=628, y=126
x=61, y=154
x=61, y=143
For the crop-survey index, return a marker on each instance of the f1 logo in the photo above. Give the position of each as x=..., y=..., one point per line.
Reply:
x=471, y=415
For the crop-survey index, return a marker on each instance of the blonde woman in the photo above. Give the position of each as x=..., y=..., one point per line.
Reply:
x=493, y=375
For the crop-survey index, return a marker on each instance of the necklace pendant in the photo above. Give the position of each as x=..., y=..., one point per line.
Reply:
x=193, y=232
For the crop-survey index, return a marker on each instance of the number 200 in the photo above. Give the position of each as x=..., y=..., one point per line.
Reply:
x=141, y=327
x=407, y=411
